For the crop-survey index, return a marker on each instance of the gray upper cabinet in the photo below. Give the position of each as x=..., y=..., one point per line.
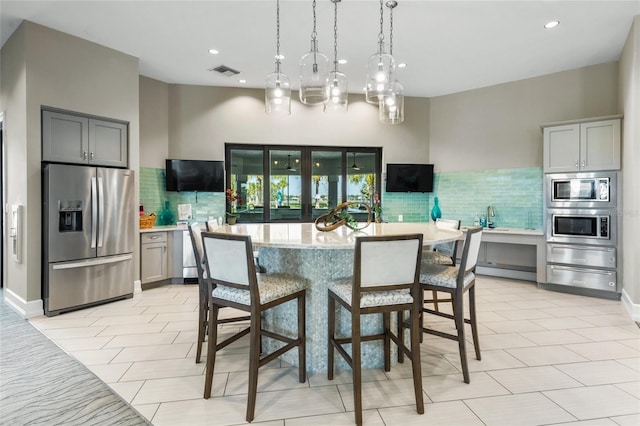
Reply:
x=586, y=146
x=69, y=138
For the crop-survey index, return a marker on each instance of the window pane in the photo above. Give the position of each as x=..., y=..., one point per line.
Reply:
x=326, y=181
x=285, y=187
x=247, y=178
x=361, y=180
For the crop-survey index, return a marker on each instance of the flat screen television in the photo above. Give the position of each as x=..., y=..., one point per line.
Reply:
x=195, y=175
x=409, y=178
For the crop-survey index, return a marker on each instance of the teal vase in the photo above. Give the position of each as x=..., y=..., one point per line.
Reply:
x=166, y=217
x=436, y=213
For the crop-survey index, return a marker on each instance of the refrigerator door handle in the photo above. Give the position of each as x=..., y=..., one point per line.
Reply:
x=93, y=262
x=94, y=212
x=101, y=211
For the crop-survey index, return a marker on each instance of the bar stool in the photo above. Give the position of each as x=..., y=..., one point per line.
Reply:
x=442, y=254
x=195, y=232
x=231, y=267
x=378, y=287
x=456, y=280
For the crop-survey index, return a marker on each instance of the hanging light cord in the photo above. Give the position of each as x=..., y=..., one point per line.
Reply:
x=314, y=42
x=391, y=28
x=381, y=33
x=278, y=36
x=335, y=35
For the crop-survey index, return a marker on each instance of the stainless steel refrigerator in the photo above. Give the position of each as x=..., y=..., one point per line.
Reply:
x=88, y=220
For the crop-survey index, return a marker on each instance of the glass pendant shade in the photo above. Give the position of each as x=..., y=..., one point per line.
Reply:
x=338, y=92
x=380, y=70
x=391, y=108
x=314, y=75
x=277, y=95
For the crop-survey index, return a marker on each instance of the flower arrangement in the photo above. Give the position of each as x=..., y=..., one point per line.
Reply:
x=377, y=207
x=233, y=199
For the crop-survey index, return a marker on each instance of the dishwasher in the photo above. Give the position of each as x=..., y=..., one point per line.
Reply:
x=189, y=267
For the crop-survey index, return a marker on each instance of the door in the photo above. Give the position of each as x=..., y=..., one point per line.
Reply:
x=562, y=148
x=64, y=137
x=70, y=208
x=116, y=211
x=108, y=143
x=600, y=145
x=280, y=183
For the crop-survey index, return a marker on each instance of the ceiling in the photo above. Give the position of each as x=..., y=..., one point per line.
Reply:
x=449, y=46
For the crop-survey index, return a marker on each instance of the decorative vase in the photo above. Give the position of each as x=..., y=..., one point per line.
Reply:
x=166, y=217
x=436, y=213
x=231, y=220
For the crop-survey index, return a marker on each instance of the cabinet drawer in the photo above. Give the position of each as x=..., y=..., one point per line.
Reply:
x=582, y=277
x=153, y=237
x=598, y=257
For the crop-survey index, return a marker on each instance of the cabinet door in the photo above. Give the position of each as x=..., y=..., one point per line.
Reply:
x=108, y=143
x=600, y=145
x=562, y=148
x=153, y=262
x=64, y=138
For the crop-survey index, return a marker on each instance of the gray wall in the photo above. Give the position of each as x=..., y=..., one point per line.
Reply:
x=202, y=119
x=630, y=104
x=40, y=67
x=498, y=127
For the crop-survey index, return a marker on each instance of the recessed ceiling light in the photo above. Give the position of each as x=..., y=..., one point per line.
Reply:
x=213, y=51
x=342, y=61
x=402, y=65
x=551, y=24
x=242, y=80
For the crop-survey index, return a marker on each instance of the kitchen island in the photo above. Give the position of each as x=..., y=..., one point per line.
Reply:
x=320, y=257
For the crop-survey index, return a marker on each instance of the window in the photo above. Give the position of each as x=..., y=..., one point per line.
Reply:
x=300, y=183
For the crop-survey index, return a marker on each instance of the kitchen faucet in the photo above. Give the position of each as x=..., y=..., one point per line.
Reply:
x=490, y=213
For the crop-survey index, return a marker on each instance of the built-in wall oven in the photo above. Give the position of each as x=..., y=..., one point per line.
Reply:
x=581, y=211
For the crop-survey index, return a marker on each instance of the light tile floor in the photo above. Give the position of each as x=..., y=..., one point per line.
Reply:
x=547, y=358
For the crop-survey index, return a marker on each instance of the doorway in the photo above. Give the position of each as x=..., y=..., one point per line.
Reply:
x=299, y=183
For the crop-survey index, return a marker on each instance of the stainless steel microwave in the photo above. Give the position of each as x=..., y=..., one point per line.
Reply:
x=582, y=226
x=582, y=190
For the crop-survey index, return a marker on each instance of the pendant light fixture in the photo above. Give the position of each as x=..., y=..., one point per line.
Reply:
x=380, y=67
x=314, y=71
x=338, y=85
x=289, y=167
x=277, y=95
x=354, y=166
x=391, y=108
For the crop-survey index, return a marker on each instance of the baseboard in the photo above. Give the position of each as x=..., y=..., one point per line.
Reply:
x=632, y=308
x=26, y=310
x=137, y=286
x=506, y=273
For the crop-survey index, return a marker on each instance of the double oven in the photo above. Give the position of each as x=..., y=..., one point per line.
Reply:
x=581, y=211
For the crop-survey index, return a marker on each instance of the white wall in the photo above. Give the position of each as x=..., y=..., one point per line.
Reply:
x=630, y=104
x=50, y=68
x=498, y=127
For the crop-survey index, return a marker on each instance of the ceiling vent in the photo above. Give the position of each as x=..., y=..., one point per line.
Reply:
x=225, y=70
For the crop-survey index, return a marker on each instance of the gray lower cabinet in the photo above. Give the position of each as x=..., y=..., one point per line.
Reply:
x=153, y=257
x=71, y=138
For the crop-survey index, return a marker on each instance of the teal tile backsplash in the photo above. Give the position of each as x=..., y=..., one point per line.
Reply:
x=153, y=197
x=515, y=194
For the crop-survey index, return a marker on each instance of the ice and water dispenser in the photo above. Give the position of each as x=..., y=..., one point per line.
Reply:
x=70, y=215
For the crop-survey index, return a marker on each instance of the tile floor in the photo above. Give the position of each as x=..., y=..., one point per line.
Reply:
x=547, y=358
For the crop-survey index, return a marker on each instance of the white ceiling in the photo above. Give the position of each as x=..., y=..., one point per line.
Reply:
x=449, y=46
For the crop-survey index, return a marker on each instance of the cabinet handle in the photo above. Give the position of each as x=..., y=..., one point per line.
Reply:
x=584, y=163
x=576, y=164
x=92, y=155
x=84, y=155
